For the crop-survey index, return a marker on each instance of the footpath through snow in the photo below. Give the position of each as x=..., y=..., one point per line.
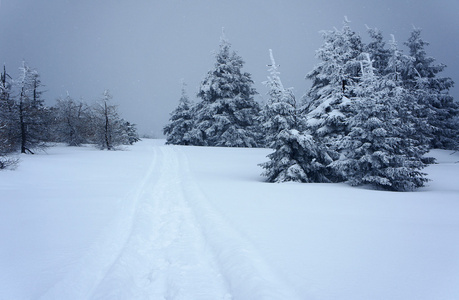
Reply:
x=177, y=247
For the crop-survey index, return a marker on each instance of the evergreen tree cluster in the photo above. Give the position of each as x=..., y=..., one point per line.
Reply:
x=370, y=116
x=27, y=124
x=227, y=115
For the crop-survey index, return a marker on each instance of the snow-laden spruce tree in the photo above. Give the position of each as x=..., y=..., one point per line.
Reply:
x=178, y=130
x=280, y=110
x=411, y=108
x=227, y=115
x=380, y=149
x=432, y=91
x=296, y=156
x=332, y=83
x=377, y=50
x=130, y=134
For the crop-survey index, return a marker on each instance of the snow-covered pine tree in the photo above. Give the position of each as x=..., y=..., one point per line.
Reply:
x=379, y=148
x=432, y=91
x=332, y=86
x=397, y=68
x=178, y=130
x=227, y=115
x=296, y=156
x=280, y=110
x=379, y=54
x=130, y=134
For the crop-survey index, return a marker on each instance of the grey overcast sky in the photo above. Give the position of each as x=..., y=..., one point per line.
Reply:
x=141, y=49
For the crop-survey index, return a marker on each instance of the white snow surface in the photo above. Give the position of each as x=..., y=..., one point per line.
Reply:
x=173, y=222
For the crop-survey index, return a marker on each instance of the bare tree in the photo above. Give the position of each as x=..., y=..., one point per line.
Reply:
x=7, y=109
x=30, y=111
x=72, y=119
x=107, y=124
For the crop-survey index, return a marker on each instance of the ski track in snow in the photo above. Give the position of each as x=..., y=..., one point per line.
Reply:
x=171, y=244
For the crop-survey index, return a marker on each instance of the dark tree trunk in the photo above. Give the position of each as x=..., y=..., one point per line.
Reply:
x=22, y=123
x=107, y=134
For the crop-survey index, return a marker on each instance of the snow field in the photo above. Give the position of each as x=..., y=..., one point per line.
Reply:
x=175, y=222
x=333, y=241
x=160, y=240
x=81, y=282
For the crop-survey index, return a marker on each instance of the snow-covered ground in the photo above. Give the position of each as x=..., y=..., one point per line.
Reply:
x=174, y=222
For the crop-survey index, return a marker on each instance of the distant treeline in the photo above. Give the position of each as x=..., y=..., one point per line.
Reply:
x=27, y=124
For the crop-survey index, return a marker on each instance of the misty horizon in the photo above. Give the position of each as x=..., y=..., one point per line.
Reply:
x=142, y=52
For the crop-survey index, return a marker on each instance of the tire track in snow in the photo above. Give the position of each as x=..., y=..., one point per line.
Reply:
x=247, y=275
x=166, y=256
x=171, y=244
x=93, y=267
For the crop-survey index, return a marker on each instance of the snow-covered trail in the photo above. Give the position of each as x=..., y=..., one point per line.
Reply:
x=166, y=256
x=171, y=244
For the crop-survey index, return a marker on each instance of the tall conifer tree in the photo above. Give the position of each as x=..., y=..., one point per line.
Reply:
x=332, y=83
x=180, y=122
x=432, y=91
x=377, y=50
x=280, y=110
x=296, y=155
x=227, y=115
x=379, y=148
